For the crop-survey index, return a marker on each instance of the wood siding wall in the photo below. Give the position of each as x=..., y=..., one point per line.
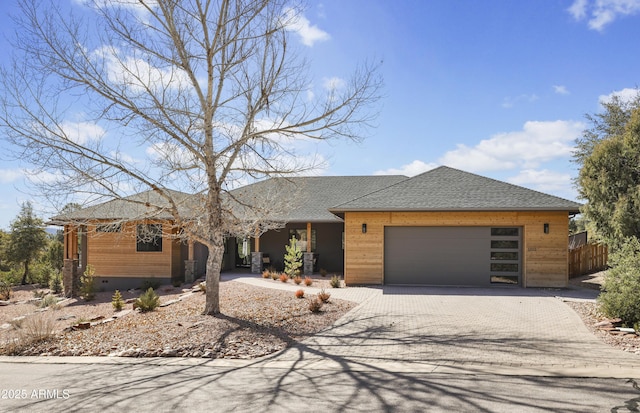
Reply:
x=113, y=254
x=545, y=256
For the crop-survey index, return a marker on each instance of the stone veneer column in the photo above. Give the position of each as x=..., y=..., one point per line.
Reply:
x=307, y=263
x=70, y=278
x=190, y=269
x=256, y=262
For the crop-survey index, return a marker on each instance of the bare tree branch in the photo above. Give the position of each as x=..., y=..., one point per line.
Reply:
x=172, y=97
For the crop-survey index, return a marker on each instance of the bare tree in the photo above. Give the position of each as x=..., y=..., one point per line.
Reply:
x=194, y=95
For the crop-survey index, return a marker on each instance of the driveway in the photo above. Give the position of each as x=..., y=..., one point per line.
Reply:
x=497, y=330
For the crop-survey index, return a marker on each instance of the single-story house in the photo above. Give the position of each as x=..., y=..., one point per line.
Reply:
x=443, y=227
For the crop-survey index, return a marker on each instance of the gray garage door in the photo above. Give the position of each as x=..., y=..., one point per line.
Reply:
x=474, y=256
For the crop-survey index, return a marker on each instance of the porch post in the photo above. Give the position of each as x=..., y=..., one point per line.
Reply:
x=307, y=257
x=190, y=265
x=70, y=275
x=256, y=255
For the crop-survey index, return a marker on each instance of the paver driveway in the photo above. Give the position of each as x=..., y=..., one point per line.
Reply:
x=454, y=326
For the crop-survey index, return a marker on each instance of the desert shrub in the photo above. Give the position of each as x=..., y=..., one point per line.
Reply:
x=275, y=275
x=148, y=301
x=308, y=281
x=5, y=290
x=300, y=294
x=87, y=286
x=49, y=300
x=284, y=278
x=315, y=305
x=323, y=296
x=39, y=293
x=297, y=279
x=55, y=282
x=323, y=272
x=203, y=287
x=116, y=300
x=335, y=282
x=150, y=283
x=620, y=297
x=37, y=327
x=266, y=274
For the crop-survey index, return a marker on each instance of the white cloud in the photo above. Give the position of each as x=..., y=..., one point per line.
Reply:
x=543, y=180
x=412, y=169
x=333, y=83
x=10, y=175
x=509, y=102
x=561, y=90
x=578, y=9
x=626, y=95
x=309, y=34
x=137, y=74
x=536, y=143
x=82, y=132
x=602, y=12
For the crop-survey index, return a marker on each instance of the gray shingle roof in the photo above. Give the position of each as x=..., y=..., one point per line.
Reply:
x=148, y=204
x=316, y=199
x=447, y=189
x=311, y=197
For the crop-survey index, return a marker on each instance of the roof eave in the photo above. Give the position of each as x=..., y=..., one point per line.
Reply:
x=570, y=210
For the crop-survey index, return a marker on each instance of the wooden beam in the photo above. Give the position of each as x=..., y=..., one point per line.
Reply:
x=190, y=254
x=308, y=236
x=256, y=244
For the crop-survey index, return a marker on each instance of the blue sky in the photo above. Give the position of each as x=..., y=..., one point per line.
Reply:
x=499, y=88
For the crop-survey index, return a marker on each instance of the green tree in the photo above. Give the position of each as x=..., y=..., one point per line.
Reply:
x=55, y=253
x=604, y=125
x=622, y=283
x=215, y=91
x=610, y=181
x=27, y=240
x=292, y=258
x=4, y=244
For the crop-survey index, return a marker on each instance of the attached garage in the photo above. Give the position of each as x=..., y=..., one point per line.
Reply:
x=450, y=227
x=464, y=256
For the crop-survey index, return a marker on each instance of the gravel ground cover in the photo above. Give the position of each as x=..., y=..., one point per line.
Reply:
x=254, y=322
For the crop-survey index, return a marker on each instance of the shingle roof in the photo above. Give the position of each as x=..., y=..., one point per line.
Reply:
x=311, y=197
x=447, y=189
x=148, y=204
x=317, y=199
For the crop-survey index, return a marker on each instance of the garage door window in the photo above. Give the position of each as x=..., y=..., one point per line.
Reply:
x=505, y=263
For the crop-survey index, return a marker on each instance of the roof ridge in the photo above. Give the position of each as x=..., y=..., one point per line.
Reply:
x=373, y=192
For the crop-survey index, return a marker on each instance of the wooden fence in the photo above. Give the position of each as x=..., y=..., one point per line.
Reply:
x=587, y=258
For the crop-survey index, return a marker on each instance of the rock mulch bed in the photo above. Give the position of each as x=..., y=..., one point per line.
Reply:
x=255, y=322
x=604, y=328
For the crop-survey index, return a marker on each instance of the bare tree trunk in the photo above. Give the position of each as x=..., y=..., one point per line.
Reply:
x=26, y=271
x=212, y=304
x=214, y=267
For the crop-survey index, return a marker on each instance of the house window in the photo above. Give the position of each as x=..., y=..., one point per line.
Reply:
x=505, y=255
x=504, y=244
x=115, y=227
x=510, y=232
x=502, y=256
x=149, y=237
x=301, y=236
